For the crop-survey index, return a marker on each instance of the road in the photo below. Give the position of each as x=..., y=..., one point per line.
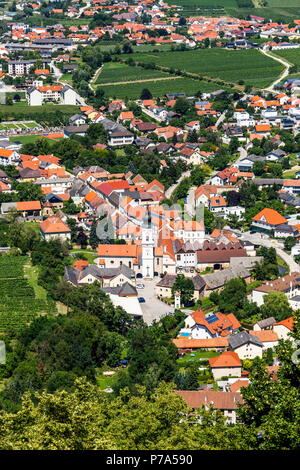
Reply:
x=221, y=119
x=283, y=75
x=57, y=72
x=258, y=239
x=172, y=188
x=85, y=7
x=153, y=308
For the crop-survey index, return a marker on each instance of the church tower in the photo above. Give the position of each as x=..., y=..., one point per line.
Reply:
x=147, y=247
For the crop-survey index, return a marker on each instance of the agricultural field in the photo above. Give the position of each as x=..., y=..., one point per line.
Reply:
x=251, y=66
x=161, y=87
x=292, y=56
x=22, y=299
x=116, y=72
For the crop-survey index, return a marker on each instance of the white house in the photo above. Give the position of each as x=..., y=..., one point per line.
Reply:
x=246, y=346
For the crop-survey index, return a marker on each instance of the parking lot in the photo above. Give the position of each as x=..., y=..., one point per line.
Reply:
x=152, y=308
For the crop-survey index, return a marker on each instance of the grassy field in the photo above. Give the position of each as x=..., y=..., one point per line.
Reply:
x=24, y=109
x=25, y=139
x=292, y=56
x=116, y=72
x=232, y=66
x=161, y=87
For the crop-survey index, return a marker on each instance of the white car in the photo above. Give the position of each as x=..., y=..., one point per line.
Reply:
x=140, y=286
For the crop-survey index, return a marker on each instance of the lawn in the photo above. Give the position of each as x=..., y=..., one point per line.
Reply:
x=197, y=356
x=26, y=110
x=116, y=72
x=31, y=273
x=89, y=254
x=25, y=139
x=161, y=87
x=67, y=77
x=251, y=66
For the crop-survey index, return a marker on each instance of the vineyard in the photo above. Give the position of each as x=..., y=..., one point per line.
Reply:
x=19, y=305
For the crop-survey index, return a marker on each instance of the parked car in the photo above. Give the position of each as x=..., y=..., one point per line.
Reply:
x=141, y=299
x=140, y=286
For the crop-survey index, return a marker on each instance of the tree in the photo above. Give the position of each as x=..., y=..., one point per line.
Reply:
x=145, y=94
x=185, y=287
x=233, y=296
x=29, y=192
x=258, y=168
x=276, y=305
x=94, y=240
x=86, y=418
x=181, y=106
x=289, y=242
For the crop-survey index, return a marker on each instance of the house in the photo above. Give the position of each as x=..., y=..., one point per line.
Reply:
x=246, y=346
x=210, y=325
x=108, y=277
x=228, y=364
x=268, y=338
x=8, y=157
x=284, y=328
x=63, y=94
x=225, y=402
x=267, y=220
x=24, y=208
x=246, y=164
x=77, y=120
x=125, y=296
x=265, y=324
x=120, y=138
x=216, y=281
x=218, y=256
x=275, y=155
x=54, y=227
x=189, y=230
x=289, y=285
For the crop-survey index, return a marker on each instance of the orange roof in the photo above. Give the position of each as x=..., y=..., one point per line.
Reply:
x=236, y=386
x=226, y=359
x=200, y=343
x=265, y=335
x=28, y=205
x=89, y=197
x=288, y=323
x=263, y=128
x=41, y=71
x=80, y=264
x=119, y=251
x=50, y=88
x=126, y=115
x=269, y=216
x=5, y=153
x=54, y=225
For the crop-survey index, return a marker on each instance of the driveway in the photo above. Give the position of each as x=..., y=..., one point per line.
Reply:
x=153, y=308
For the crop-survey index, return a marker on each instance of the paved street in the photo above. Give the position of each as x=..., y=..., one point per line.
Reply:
x=265, y=241
x=153, y=308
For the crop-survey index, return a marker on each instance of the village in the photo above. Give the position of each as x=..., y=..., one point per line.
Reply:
x=180, y=206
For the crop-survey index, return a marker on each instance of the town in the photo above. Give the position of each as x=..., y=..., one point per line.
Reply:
x=150, y=220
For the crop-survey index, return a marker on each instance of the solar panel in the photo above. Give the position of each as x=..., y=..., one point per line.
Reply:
x=212, y=319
